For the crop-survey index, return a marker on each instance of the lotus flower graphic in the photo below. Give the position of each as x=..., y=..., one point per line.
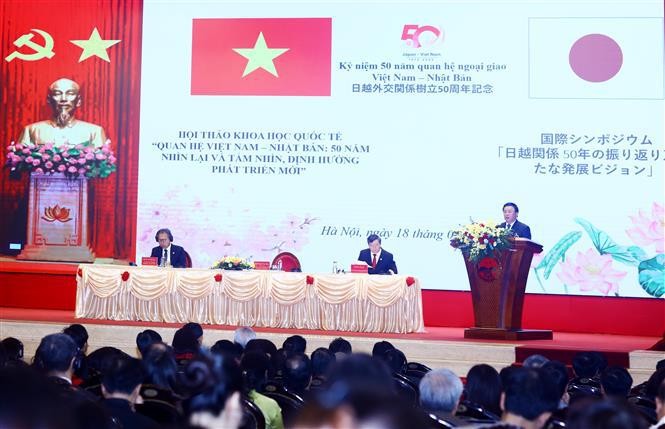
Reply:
x=61, y=214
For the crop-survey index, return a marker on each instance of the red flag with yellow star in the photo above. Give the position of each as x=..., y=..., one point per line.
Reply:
x=261, y=56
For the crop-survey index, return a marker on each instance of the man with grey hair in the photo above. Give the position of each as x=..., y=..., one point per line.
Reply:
x=440, y=392
x=535, y=361
x=243, y=335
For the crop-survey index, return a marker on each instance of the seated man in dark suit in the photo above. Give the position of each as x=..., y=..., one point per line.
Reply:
x=519, y=229
x=168, y=254
x=380, y=261
x=121, y=385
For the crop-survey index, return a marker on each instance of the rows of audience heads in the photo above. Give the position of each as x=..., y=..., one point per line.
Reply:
x=250, y=381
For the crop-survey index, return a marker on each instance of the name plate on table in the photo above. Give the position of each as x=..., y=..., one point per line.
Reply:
x=359, y=268
x=149, y=260
x=262, y=265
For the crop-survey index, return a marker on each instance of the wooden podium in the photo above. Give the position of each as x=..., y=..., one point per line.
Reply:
x=57, y=219
x=497, y=289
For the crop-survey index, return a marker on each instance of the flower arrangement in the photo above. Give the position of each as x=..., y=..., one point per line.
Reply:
x=233, y=263
x=479, y=239
x=73, y=160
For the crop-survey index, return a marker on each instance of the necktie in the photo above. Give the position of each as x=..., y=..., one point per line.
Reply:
x=373, y=260
x=165, y=257
x=509, y=226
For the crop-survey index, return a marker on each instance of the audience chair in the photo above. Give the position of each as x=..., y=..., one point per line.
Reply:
x=555, y=424
x=416, y=371
x=252, y=416
x=469, y=410
x=317, y=383
x=439, y=423
x=406, y=389
x=158, y=404
x=289, y=402
x=579, y=391
x=645, y=406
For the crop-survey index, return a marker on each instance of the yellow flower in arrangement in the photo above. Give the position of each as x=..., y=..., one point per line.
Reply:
x=479, y=239
x=233, y=263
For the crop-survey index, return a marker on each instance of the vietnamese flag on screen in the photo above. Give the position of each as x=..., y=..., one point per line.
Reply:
x=261, y=56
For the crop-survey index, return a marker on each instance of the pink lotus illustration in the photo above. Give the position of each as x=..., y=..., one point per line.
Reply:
x=591, y=271
x=648, y=230
x=61, y=214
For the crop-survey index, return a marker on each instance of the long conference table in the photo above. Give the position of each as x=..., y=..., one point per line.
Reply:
x=339, y=302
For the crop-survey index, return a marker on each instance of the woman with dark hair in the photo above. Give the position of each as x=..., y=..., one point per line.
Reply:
x=160, y=366
x=214, y=386
x=160, y=389
x=483, y=387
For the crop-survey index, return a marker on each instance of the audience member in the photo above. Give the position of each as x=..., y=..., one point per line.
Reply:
x=340, y=345
x=535, y=361
x=29, y=400
x=185, y=344
x=13, y=349
x=654, y=382
x=556, y=374
x=213, y=385
x=297, y=373
x=55, y=357
x=277, y=362
x=121, y=384
x=483, y=388
x=228, y=349
x=396, y=361
x=360, y=372
x=145, y=339
x=3, y=355
x=101, y=359
x=528, y=399
x=586, y=366
x=79, y=334
x=295, y=344
x=254, y=366
x=616, y=382
x=322, y=358
x=196, y=330
x=160, y=367
x=380, y=347
x=261, y=344
x=440, y=392
x=594, y=413
x=243, y=335
x=660, y=407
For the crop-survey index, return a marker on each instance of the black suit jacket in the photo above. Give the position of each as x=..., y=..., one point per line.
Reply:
x=385, y=262
x=519, y=229
x=178, y=259
x=121, y=410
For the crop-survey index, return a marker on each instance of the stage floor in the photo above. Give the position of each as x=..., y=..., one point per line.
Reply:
x=438, y=347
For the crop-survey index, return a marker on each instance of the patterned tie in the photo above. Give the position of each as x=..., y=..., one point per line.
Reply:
x=165, y=257
x=373, y=260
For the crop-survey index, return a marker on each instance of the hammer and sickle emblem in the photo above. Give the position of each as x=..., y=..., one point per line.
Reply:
x=40, y=51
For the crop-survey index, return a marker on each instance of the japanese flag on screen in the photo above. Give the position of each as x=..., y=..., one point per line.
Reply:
x=596, y=58
x=261, y=56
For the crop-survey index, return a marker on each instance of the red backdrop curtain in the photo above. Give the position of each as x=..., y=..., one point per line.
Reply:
x=111, y=98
